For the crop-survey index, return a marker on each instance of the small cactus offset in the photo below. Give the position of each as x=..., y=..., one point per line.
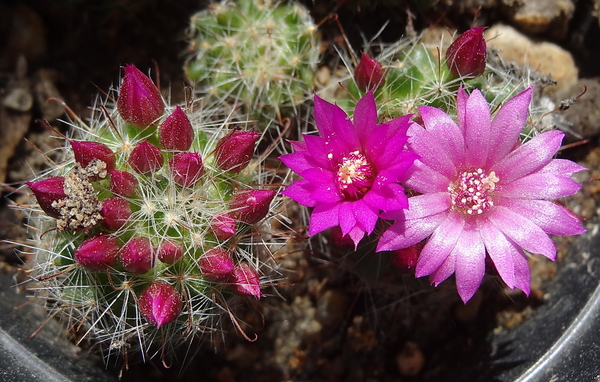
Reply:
x=152, y=224
x=260, y=54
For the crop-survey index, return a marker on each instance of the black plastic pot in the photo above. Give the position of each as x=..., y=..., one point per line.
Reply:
x=560, y=342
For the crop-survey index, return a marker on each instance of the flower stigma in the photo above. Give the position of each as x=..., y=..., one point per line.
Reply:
x=355, y=175
x=471, y=193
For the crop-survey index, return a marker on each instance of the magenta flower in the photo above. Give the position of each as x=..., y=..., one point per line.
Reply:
x=483, y=193
x=351, y=171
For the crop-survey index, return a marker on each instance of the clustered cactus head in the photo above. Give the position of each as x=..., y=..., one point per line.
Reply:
x=152, y=211
x=476, y=190
x=259, y=54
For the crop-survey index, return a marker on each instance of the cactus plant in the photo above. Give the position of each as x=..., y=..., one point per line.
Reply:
x=127, y=222
x=260, y=54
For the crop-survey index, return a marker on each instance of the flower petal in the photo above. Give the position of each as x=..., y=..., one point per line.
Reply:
x=461, y=108
x=403, y=234
x=365, y=116
x=540, y=186
x=477, y=130
x=324, y=216
x=508, y=124
x=334, y=124
x=440, y=245
x=431, y=152
x=346, y=217
x=300, y=191
x=522, y=231
x=428, y=204
x=423, y=179
x=522, y=272
x=470, y=263
x=389, y=197
x=297, y=161
x=550, y=217
x=529, y=157
x=563, y=167
x=446, y=131
x=365, y=215
x=500, y=250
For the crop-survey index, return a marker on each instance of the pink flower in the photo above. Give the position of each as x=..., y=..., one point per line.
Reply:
x=351, y=171
x=483, y=194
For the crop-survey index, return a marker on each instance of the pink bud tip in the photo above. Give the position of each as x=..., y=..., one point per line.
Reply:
x=169, y=252
x=186, y=168
x=234, y=151
x=176, y=132
x=250, y=206
x=369, y=73
x=223, y=226
x=145, y=158
x=217, y=264
x=245, y=281
x=48, y=191
x=467, y=54
x=123, y=183
x=98, y=253
x=116, y=212
x=139, y=102
x=137, y=255
x=86, y=151
x=160, y=303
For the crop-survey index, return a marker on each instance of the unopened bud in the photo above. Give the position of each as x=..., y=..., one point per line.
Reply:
x=250, y=206
x=116, y=212
x=145, y=158
x=160, y=303
x=169, y=251
x=139, y=102
x=234, y=151
x=176, y=132
x=86, y=151
x=467, y=54
x=217, y=264
x=186, y=168
x=98, y=253
x=137, y=255
x=369, y=73
x=245, y=281
x=123, y=183
x=223, y=226
x=48, y=191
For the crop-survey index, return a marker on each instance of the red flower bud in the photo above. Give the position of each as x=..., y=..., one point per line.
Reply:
x=216, y=264
x=245, y=281
x=176, y=132
x=160, y=303
x=139, y=102
x=48, y=191
x=169, y=252
x=86, y=151
x=223, y=226
x=123, y=183
x=145, y=158
x=234, y=151
x=137, y=255
x=369, y=73
x=339, y=240
x=405, y=259
x=186, y=168
x=116, y=212
x=98, y=253
x=250, y=206
x=467, y=54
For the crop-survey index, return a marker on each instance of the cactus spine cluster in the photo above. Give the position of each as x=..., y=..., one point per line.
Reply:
x=152, y=224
